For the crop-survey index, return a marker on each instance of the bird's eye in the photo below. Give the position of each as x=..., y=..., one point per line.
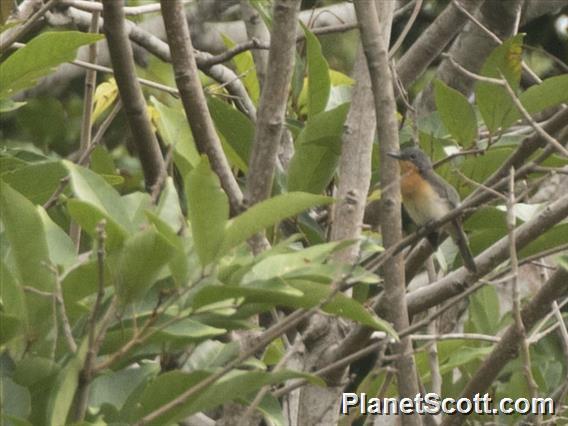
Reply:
x=413, y=156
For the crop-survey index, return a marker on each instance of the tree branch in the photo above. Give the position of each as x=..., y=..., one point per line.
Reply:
x=12, y=35
x=455, y=282
x=205, y=61
x=473, y=45
x=432, y=42
x=391, y=225
x=193, y=99
x=131, y=93
x=507, y=348
x=272, y=106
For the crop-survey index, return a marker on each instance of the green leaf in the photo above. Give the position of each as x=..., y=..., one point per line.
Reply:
x=272, y=292
x=63, y=391
x=270, y=409
x=175, y=336
x=235, y=384
x=88, y=216
x=28, y=246
x=61, y=248
x=101, y=161
x=343, y=306
x=550, y=239
x=139, y=263
x=7, y=105
x=296, y=294
x=244, y=63
x=235, y=127
x=484, y=311
x=280, y=265
x=97, y=200
x=10, y=327
x=208, y=209
x=173, y=128
x=268, y=213
x=39, y=57
x=182, y=265
x=9, y=163
x=319, y=83
x=475, y=168
x=46, y=122
x=12, y=296
x=456, y=113
x=169, y=209
x=114, y=387
x=563, y=261
x=36, y=181
x=14, y=399
x=494, y=101
x=551, y=92
x=81, y=282
x=318, y=148
x=93, y=189
x=211, y=354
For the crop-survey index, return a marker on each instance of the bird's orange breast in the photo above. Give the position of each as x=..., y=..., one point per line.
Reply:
x=412, y=185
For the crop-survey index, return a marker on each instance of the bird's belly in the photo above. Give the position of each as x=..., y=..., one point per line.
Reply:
x=425, y=207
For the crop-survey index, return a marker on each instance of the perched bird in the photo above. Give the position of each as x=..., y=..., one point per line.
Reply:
x=427, y=197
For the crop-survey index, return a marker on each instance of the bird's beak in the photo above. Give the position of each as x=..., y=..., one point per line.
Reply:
x=394, y=155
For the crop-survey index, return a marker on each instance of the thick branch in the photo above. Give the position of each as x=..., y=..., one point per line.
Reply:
x=193, y=99
x=131, y=93
x=432, y=42
x=12, y=35
x=385, y=108
x=507, y=348
x=455, y=282
x=205, y=61
x=473, y=45
x=273, y=100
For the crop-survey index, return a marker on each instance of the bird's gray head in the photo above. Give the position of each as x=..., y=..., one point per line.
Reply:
x=413, y=155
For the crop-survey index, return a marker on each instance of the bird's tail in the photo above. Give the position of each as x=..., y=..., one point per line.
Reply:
x=459, y=237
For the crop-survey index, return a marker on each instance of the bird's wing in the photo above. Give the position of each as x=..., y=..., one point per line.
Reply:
x=445, y=189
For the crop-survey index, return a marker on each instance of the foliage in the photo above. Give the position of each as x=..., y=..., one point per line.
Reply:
x=154, y=287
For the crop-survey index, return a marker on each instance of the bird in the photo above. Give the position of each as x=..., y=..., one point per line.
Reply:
x=427, y=197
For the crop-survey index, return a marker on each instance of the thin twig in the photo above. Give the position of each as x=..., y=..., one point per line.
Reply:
x=245, y=419
x=14, y=34
x=511, y=225
x=537, y=334
x=67, y=331
x=94, y=7
x=227, y=55
x=456, y=336
x=562, y=325
x=507, y=348
x=482, y=186
x=534, y=124
x=406, y=29
x=86, y=375
x=504, y=83
x=472, y=75
x=264, y=339
x=85, y=155
x=432, y=329
x=100, y=68
x=494, y=36
x=86, y=120
x=33, y=290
